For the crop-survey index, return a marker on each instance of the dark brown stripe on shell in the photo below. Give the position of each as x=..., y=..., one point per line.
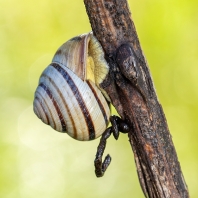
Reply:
x=42, y=100
x=37, y=98
x=80, y=100
x=65, y=104
x=55, y=105
x=99, y=103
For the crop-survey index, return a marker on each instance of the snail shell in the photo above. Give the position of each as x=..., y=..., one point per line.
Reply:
x=68, y=97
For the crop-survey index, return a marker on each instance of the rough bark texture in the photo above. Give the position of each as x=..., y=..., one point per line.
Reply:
x=130, y=87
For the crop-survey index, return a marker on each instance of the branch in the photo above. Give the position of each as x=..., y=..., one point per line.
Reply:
x=130, y=87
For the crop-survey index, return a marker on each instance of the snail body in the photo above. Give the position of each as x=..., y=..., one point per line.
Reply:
x=69, y=97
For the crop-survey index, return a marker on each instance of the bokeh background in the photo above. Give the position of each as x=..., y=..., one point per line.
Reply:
x=39, y=162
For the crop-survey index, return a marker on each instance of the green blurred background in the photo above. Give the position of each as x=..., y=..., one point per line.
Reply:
x=38, y=162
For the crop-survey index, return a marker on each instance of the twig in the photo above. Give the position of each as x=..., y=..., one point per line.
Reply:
x=130, y=87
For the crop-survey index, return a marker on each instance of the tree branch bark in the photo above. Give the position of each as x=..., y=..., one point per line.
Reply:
x=130, y=87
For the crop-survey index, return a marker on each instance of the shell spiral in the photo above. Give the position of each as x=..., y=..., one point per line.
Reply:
x=67, y=97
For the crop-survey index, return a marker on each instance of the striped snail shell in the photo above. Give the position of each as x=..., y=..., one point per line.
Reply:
x=68, y=97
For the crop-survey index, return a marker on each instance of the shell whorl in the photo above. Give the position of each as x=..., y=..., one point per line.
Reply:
x=66, y=99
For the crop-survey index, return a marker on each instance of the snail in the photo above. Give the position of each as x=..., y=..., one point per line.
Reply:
x=69, y=97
